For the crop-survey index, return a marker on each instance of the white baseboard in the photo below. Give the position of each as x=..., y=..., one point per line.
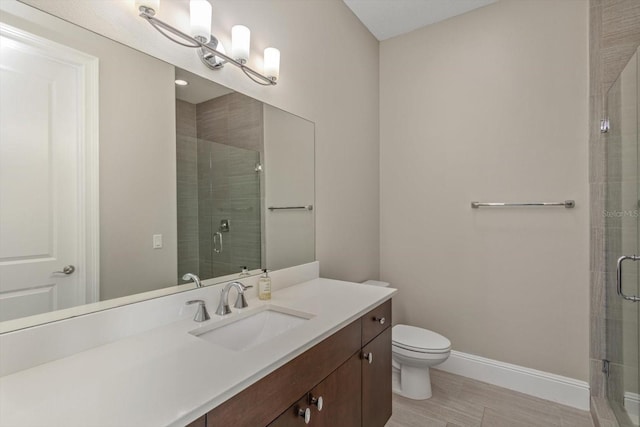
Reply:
x=556, y=388
x=632, y=405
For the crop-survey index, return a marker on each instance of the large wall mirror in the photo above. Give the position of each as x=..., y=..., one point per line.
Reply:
x=120, y=173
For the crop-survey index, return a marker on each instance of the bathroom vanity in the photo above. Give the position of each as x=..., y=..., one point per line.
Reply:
x=343, y=380
x=175, y=375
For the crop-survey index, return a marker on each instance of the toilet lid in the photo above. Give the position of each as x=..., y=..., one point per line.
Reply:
x=418, y=339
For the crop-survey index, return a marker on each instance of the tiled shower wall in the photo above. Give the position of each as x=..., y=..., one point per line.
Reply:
x=220, y=141
x=187, y=187
x=230, y=130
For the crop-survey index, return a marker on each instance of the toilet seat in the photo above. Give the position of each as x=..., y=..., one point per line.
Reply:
x=419, y=340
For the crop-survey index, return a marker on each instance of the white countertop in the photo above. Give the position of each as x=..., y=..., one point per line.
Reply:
x=168, y=377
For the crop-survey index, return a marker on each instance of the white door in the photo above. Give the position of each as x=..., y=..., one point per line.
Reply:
x=43, y=131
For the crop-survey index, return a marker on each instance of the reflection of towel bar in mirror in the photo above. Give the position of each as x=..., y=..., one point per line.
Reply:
x=281, y=208
x=247, y=209
x=567, y=204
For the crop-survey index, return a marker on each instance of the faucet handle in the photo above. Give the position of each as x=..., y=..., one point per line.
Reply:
x=241, y=301
x=201, y=314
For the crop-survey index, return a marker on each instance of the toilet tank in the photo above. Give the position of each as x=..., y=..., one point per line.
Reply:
x=376, y=283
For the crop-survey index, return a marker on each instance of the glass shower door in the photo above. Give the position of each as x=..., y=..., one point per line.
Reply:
x=622, y=246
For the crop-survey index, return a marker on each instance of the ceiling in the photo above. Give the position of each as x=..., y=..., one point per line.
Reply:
x=199, y=89
x=390, y=18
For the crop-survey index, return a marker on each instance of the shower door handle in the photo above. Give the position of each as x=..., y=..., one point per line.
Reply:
x=632, y=298
x=217, y=248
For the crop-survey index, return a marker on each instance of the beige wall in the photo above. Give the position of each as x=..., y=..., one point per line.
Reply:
x=329, y=75
x=490, y=106
x=137, y=158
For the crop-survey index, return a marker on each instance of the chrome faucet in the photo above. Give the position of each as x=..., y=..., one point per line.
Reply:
x=241, y=302
x=201, y=314
x=194, y=278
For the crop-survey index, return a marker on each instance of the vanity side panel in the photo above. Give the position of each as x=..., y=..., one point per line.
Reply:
x=263, y=401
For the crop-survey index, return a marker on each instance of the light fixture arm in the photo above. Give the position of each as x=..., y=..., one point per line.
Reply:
x=162, y=26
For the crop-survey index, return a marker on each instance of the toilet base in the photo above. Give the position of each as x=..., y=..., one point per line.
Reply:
x=412, y=382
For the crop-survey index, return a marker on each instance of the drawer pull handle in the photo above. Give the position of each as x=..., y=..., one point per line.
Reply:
x=368, y=356
x=318, y=401
x=380, y=320
x=306, y=414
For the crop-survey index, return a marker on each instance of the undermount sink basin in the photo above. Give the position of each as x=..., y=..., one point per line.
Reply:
x=252, y=329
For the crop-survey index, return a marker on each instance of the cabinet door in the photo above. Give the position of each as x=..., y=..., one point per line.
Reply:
x=376, y=381
x=294, y=416
x=341, y=397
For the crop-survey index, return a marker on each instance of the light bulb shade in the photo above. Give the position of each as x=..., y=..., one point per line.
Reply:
x=240, y=43
x=200, y=11
x=272, y=63
x=150, y=4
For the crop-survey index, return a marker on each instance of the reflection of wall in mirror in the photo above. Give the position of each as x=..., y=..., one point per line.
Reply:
x=289, y=168
x=137, y=159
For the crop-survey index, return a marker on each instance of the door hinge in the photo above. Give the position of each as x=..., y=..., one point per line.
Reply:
x=605, y=367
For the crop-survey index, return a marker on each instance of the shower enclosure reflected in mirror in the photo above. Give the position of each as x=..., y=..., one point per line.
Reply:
x=183, y=180
x=623, y=239
x=234, y=155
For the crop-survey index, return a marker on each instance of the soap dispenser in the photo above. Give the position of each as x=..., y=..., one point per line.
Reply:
x=244, y=272
x=264, y=285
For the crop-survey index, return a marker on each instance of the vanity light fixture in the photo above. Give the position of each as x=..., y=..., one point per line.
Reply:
x=210, y=50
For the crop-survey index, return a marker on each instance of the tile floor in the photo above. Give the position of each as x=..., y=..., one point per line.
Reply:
x=462, y=402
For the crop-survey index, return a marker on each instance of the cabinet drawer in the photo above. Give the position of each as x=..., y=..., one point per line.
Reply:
x=376, y=321
x=293, y=416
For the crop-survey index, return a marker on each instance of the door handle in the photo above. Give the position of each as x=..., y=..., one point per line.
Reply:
x=67, y=269
x=632, y=298
x=217, y=248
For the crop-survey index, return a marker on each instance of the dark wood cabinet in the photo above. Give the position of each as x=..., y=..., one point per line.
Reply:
x=336, y=401
x=341, y=397
x=376, y=321
x=354, y=392
x=265, y=400
x=200, y=422
x=376, y=381
x=295, y=415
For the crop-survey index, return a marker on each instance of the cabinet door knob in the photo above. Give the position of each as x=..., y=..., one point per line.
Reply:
x=318, y=401
x=380, y=320
x=306, y=414
x=368, y=356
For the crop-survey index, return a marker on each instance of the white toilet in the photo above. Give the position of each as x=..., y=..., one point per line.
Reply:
x=414, y=351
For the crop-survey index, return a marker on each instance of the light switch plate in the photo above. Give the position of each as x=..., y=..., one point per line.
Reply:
x=157, y=241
